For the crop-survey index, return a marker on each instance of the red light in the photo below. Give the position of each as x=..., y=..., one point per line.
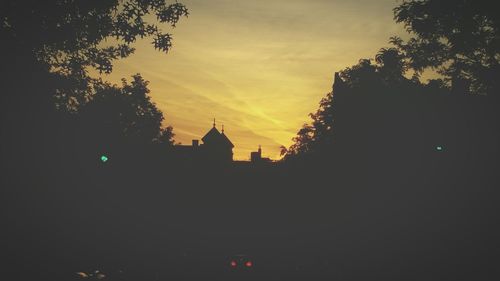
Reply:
x=233, y=264
x=248, y=264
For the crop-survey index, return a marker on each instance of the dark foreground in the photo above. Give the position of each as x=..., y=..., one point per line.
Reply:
x=427, y=220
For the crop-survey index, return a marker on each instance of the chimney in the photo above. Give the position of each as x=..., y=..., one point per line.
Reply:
x=337, y=82
x=196, y=143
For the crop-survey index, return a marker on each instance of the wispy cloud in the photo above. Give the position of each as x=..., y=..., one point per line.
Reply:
x=257, y=66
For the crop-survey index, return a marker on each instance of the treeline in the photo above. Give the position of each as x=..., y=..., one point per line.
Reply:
x=380, y=110
x=55, y=113
x=64, y=132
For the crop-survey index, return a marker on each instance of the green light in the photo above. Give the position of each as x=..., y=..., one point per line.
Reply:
x=439, y=148
x=104, y=159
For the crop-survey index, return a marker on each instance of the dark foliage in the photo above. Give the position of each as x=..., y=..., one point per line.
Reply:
x=460, y=39
x=417, y=162
x=56, y=42
x=123, y=113
x=48, y=49
x=365, y=89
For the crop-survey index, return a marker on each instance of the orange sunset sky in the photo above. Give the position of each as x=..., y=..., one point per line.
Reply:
x=259, y=67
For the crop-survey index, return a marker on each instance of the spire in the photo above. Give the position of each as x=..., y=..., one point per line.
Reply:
x=214, y=122
x=260, y=149
x=223, y=128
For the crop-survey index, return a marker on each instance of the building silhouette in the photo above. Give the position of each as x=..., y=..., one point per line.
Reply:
x=216, y=148
x=256, y=157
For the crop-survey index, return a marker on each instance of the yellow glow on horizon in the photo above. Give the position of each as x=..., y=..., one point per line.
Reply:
x=258, y=67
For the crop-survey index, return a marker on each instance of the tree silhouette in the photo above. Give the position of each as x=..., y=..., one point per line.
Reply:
x=458, y=38
x=123, y=113
x=48, y=50
x=68, y=37
x=166, y=136
x=283, y=150
x=391, y=63
x=365, y=89
x=302, y=141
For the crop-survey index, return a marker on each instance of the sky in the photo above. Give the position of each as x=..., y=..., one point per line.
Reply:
x=258, y=67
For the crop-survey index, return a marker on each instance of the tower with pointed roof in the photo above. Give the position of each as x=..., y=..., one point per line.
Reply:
x=217, y=146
